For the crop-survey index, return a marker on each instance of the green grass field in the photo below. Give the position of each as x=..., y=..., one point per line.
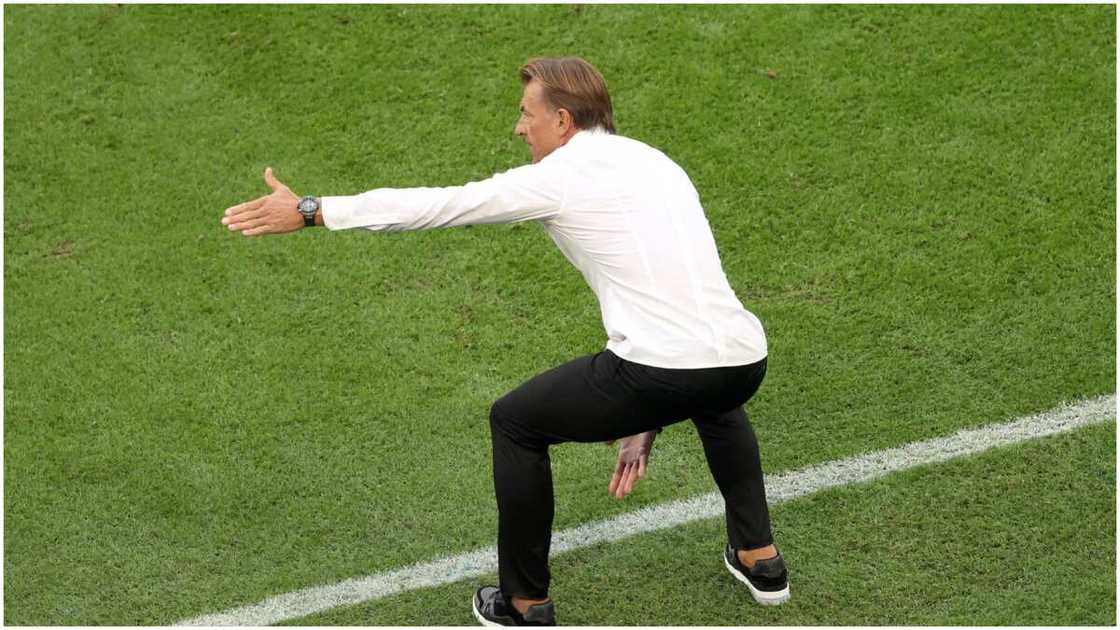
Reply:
x=919, y=204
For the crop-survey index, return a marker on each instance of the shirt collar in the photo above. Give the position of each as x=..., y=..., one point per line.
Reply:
x=587, y=133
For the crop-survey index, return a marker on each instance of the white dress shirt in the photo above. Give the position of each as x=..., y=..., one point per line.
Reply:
x=627, y=217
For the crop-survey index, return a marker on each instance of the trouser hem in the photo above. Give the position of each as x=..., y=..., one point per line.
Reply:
x=524, y=596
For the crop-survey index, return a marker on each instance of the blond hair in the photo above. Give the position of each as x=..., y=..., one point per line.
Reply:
x=573, y=84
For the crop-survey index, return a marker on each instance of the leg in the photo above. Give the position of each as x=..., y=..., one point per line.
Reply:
x=592, y=398
x=523, y=485
x=732, y=452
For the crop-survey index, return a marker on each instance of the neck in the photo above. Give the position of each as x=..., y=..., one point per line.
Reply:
x=568, y=135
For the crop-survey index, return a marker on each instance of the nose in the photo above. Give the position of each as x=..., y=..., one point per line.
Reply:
x=519, y=129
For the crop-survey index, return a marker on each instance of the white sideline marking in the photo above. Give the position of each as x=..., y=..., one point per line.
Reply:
x=782, y=487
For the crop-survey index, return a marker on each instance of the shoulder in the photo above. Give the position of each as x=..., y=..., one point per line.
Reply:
x=599, y=146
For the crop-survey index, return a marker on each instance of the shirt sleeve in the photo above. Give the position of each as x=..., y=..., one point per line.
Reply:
x=527, y=193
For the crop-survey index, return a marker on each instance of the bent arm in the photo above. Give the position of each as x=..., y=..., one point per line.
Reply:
x=526, y=193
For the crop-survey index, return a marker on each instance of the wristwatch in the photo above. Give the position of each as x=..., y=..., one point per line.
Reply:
x=308, y=206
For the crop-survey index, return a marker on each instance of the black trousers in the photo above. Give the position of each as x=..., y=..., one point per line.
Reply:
x=603, y=397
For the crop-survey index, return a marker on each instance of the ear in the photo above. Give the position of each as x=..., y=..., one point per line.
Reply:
x=564, y=120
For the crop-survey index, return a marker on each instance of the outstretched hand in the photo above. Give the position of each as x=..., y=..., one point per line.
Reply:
x=272, y=214
x=633, y=453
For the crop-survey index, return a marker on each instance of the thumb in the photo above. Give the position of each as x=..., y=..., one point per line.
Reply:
x=271, y=180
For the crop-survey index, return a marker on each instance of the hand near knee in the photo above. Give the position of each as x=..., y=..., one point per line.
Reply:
x=633, y=453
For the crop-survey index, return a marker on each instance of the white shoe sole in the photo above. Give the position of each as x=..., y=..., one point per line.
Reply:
x=482, y=620
x=764, y=598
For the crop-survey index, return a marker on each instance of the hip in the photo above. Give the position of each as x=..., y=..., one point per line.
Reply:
x=715, y=389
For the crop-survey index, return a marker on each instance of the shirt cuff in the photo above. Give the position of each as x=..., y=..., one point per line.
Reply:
x=336, y=211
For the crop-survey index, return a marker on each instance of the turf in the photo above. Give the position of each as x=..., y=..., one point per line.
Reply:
x=1004, y=538
x=918, y=202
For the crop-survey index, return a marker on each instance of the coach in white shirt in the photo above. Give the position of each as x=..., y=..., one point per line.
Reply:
x=680, y=345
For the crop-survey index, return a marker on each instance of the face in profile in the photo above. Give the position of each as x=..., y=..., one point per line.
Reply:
x=542, y=127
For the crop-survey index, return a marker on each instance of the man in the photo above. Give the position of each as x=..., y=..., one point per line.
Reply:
x=680, y=344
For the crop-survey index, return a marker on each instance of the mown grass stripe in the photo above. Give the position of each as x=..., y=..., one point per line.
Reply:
x=781, y=487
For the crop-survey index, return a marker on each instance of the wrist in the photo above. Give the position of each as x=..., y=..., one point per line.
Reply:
x=310, y=210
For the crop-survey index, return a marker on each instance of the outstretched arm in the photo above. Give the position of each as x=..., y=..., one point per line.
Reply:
x=531, y=192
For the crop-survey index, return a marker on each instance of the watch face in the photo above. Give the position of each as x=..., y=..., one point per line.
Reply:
x=307, y=206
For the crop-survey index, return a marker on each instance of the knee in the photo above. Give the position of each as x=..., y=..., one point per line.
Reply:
x=501, y=413
x=507, y=424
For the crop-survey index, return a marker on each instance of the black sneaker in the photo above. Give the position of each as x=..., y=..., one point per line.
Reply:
x=768, y=579
x=492, y=609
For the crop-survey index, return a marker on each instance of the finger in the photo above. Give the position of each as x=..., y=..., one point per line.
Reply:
x=631, y=478
x=236, y=221
x=612, y=489
x=271, y=180
x=244, y=207
x=263, y=229
x=623, y=484
x=623, y=474
x=249, y=222
x=615, y=478
x=642, y=466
